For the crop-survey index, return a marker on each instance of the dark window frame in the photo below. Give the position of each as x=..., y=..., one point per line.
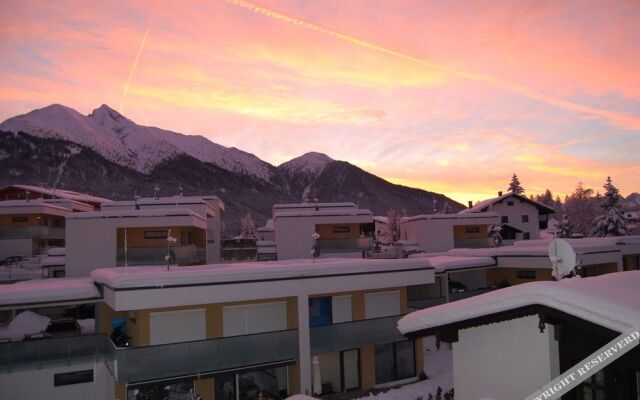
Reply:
x=341, y=229
x=526, y=274
x=73, y=377
x=524, y=218
x=504, y=219
x=156, y=234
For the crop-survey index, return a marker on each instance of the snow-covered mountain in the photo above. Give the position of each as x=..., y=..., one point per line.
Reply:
x=124, y=142
x=312, y=163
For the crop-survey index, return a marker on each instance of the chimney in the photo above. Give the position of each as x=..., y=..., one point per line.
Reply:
x=470, y=203
x=500, y=193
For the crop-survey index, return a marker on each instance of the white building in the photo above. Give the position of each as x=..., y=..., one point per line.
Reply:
x=441, y=232
x=127, y=233
x=341, y=230
x=522, y=218
x=508, y=343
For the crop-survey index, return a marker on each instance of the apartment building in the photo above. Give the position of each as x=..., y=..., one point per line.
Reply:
x=32, y=219
x=230, y=331
x=129, y=233
x=329, y=229
x=441, y=232
x=521, y=217
x=548, y=328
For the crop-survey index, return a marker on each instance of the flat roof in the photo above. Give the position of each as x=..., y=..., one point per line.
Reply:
x=445, y=263
x=609, y=300
x=53, y=290
x=13, y=206
x=151, y=212
x=147, y=277
x=323, y=213
x=452, y=216
x=60, y=193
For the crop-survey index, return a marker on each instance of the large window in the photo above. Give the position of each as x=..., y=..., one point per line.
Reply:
x=175, y=389
x=266, y=384
x=504, y=219
x=395, y=361
x=593, y=388
x=320, y=311
x=339, y=371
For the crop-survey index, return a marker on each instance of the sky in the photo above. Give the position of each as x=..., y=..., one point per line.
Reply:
x=448, y=96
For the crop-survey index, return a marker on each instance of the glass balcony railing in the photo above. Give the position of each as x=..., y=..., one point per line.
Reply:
x=156, y=255
x=39, y=353
x=472, y=243
x=32, y=232
x=205, y=356
x=344, y=245
x=350, y=335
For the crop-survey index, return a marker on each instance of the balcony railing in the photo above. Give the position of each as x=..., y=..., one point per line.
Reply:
x=32, y=232
x=156, y=255
x=205, y=356
x=344, y=245
x=472, y=243
x=39, y=353
x=419, y=304
x=350, y=335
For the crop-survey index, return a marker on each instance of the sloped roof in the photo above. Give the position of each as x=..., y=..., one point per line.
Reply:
x=610, y=301
x=485, y=205
x=60, y=193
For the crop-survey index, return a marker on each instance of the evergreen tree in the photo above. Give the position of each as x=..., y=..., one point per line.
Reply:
x=612, y=221
x=581, y=209
x=249, y=230
x=515, y=186
x=393, y=225
x=563, y=229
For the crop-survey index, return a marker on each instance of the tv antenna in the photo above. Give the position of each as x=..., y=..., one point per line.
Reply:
x=563, y=258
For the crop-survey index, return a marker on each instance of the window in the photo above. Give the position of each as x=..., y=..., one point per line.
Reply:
x=174, y=389
x=19, y=219
x=526, y=274
x=394, y=361
x=339, y=371
x=525, y=218
x=71, y=378
x=57, y=222
x=472, y=229
x=526, y=236
x=271, y=382
x=185, y=238
x=509, y=203
x=504, y=219
x=320, y=311
x=43, y=221
x=593, y=388
x=342, y=229
x=155, y=234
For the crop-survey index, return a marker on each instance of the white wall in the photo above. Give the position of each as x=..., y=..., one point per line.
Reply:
x=38, y=384
x=515, y=213
x=507, y=360
x=16, y=247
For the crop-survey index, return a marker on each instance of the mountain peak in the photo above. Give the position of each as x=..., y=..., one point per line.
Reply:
x=311, y=162
x=104, y=111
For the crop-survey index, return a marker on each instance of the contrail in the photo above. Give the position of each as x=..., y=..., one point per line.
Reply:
x=132, y=71
x=622, y=120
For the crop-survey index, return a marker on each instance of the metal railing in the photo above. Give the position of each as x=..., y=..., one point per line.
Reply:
x=190, y=254
x=350, y=335
x=344, y=245
x=472, y=243
x=39, y=353
x=419, y=304
x=32, y=232
x=205, y=356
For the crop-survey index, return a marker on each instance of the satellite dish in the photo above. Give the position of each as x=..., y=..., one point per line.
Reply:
x=563, y=258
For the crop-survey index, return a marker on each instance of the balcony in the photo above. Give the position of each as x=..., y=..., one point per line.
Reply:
x=205, y=356
x=32, y=232
x=344, y=245
x=423, y=303
x=39, y=353
x=182, y=255
x=472, y=243
x=350, y=335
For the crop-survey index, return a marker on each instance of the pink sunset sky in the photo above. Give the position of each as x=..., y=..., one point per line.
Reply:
x=449, y=96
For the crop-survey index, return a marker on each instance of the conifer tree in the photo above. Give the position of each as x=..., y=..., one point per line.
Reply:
x=612, y=221
x=515, y=186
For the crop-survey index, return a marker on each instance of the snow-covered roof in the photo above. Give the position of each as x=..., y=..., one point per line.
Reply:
x=446, y=263
x=48, y=291
x=298, y=206
x=486, y=204
x=322, y=213
x=166, y=201
x=268, y=226
x=151, y=212
x=32, y=206
x=610, y=300
x=540, y=247
x=132, y=277
x=60, y=193
x=459, y=216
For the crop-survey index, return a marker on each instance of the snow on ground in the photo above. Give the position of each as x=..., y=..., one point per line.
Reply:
x=439, y=368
